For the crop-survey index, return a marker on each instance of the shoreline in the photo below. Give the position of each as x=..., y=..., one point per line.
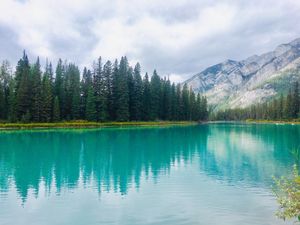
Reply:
x=90, y=125
x=281, y=122
x=87, y=125
x=275, y=122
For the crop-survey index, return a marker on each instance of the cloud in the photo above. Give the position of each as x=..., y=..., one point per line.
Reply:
x=179, y=38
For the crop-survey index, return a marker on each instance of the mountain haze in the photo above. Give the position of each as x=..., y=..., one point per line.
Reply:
x=257, y=79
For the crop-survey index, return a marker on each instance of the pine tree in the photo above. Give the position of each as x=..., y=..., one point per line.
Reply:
x=47, y=97
x=2, y=102
x=59, y=87
x=146, y=99
x=295, y=101
x=280, y=107
x=198, y=109
x=179, y=103
x=90, y=111
x=117, y=93
x=138, y=93
x=36, y=110
x=5, y=78
x=204, y=110
x=26, y=118
x=166, y=109
x=288, y=110
x=193, y=107
x=131, y=97
x=174, y=106
x=86, y=82
x=185, y=102
x=273, y=109
x=122, y=95
x=56, y=110
x=115, y=78
x=100, y=91
x=11, y=102
x=155, y=90
x=75, y=84
x=108, y=92
x=23, y=87
x=72, y=96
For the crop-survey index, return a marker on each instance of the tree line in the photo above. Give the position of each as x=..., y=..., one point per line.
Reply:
x=282, y=108
x=107, y=92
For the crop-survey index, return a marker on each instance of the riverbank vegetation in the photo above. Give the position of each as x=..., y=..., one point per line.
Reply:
x=287, y=191
x=284, y=108
x=110, y=92
x=87, y=124
x=288, y=196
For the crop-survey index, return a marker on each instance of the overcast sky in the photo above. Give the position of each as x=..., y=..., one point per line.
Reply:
x=177, y=37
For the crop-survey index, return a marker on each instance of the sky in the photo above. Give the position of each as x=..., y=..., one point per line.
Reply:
x=179, y=38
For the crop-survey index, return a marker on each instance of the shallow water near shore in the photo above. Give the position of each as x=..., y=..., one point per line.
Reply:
x=202, y=174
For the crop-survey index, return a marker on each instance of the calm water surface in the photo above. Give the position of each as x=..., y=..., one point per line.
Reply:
x=207, y=174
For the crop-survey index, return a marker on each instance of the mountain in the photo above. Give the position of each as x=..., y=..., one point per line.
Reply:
x=257, y=79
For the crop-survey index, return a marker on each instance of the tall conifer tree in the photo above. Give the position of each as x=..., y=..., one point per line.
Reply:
x=146, y=99
x=155, y=89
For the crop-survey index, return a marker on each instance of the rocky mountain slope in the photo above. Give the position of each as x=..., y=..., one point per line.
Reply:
x=232, y=84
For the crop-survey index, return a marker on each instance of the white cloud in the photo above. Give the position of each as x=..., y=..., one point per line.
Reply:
x=176, y=37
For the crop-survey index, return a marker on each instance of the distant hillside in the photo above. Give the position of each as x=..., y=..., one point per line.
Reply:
x=257, y=79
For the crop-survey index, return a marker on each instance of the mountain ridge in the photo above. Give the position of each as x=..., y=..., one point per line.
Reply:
x=256, y=79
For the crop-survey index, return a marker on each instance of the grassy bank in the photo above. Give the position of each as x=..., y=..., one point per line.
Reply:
x=297, y=121
x=293, y=122
x=86, y=124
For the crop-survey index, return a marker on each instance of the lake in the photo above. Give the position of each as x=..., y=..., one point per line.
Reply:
x=201, y=174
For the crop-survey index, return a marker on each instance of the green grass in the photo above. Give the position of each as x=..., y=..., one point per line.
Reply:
x=86, y=124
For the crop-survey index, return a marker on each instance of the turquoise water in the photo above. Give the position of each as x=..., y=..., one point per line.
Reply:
x=204, y=174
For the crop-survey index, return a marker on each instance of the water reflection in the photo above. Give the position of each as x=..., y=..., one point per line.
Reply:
x=116, y=159
x=249, y=154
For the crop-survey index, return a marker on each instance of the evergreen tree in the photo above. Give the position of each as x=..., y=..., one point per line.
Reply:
x=72, y=99
x=166, y=109
x=198, y=109
x=288, y=111
x=56, y=110
x=274, y=109
x=280, y=107
x=185, y=102
x=59, y=87
x=36, y=91
x=115, y=78
x=108, y=92
x=47, y=97
x=86, y=83
x=137, y=97
x=193, y=107
x=91, y=112
x=11, y=102
x=2, y=102
x=174, y=106
x=131, y=97
x=117, y=93
x=100, y=91
x=23, y=87
x=204, y=110
x=121, y=94
x=179, y=103
x=295, y=101
x=146, y=99
x=5, y=79
x=75, y=84
x=155, y=90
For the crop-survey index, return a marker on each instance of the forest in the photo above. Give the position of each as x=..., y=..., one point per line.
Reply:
x=282, y=108
x=113, y=91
